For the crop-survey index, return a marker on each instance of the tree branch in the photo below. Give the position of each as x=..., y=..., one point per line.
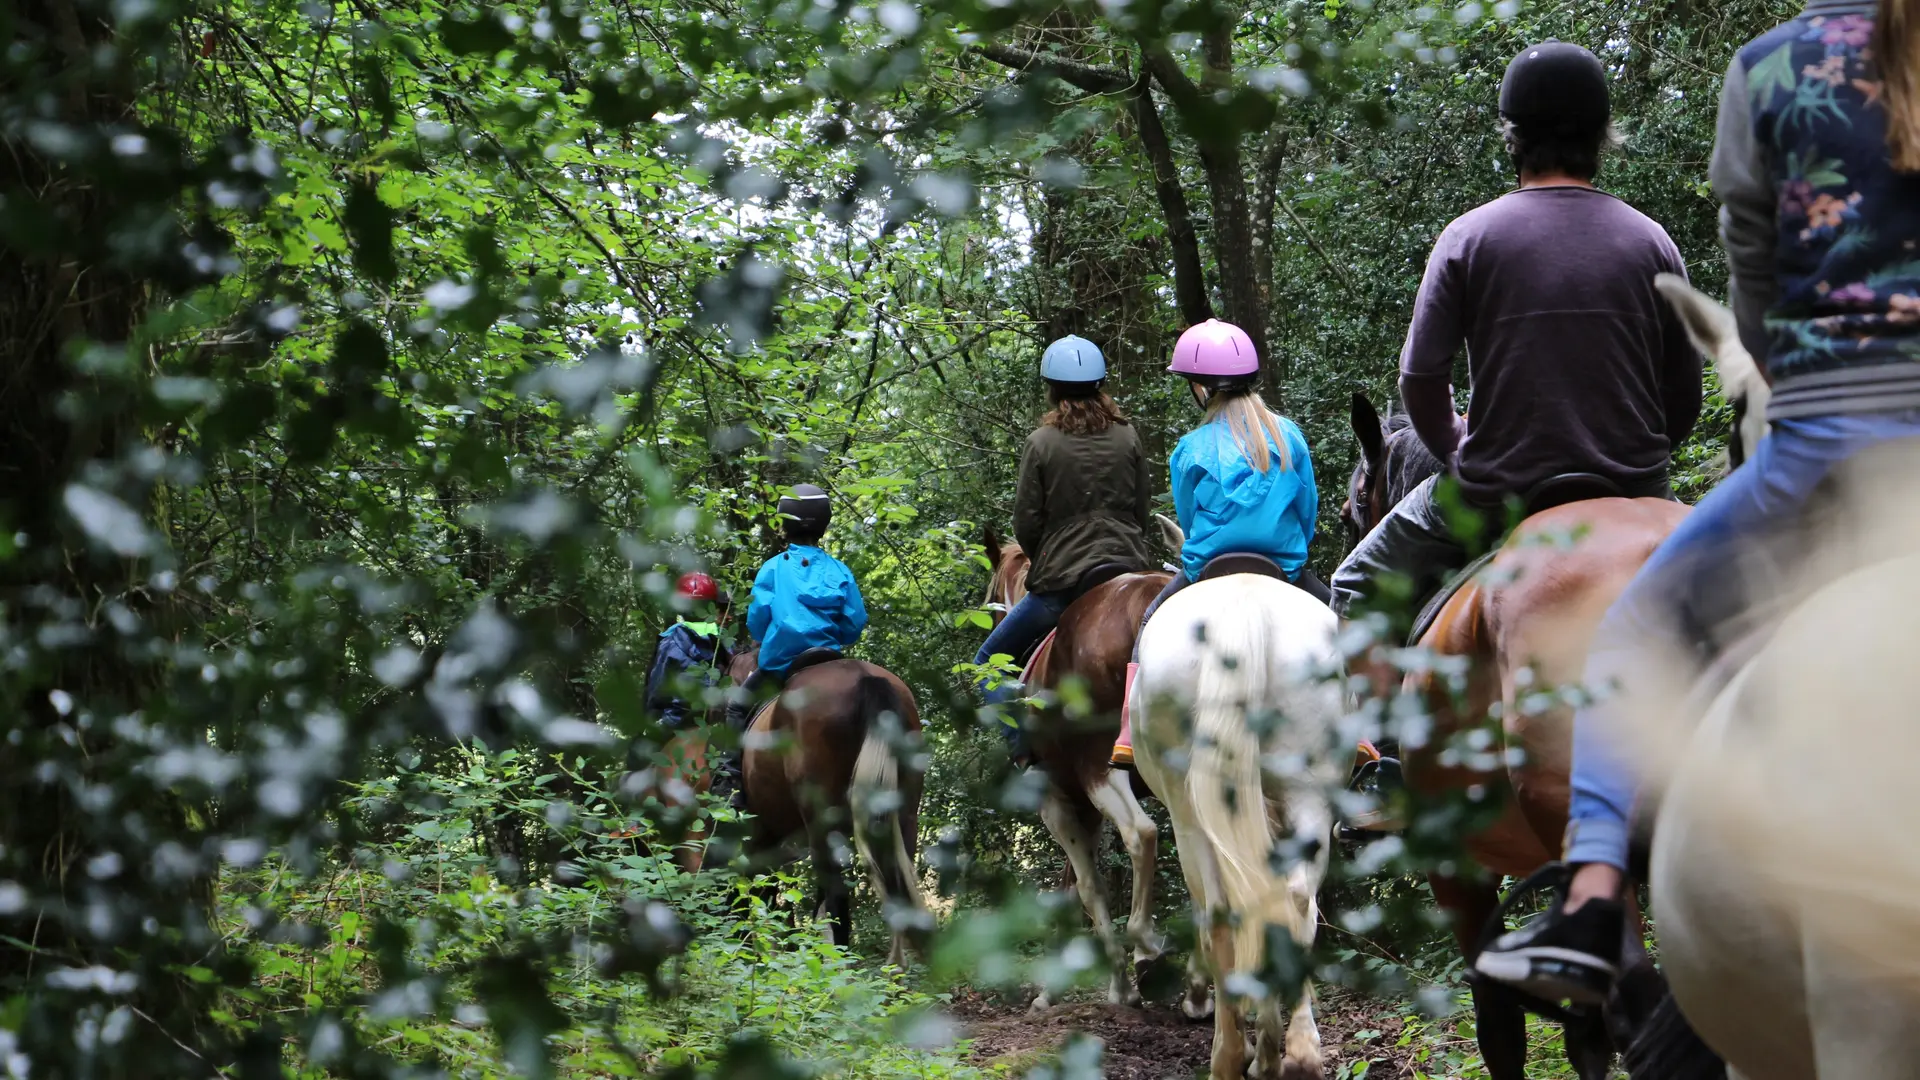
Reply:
x=1314, y=242
x=1088, y=77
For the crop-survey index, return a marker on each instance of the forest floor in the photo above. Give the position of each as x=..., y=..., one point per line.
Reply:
x=1156, y=1042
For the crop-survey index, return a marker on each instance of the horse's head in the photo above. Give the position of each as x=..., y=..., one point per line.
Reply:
x=1393, y=461
x=746, y=661
x=1714, y=332
x=1008, y=584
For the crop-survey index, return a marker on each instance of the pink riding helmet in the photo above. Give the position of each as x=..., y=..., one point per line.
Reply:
x=1215, y=349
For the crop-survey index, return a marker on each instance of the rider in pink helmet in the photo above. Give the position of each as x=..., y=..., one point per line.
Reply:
x=1215, y=354
x=1242, y=480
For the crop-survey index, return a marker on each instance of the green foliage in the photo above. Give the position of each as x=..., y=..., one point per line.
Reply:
x=418, y=922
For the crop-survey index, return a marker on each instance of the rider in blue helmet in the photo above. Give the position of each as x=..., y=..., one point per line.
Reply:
x=1081, y=505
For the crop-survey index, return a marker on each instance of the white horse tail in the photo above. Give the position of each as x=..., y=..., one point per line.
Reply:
x=1225, y=786
x=1247, y=672
x=879, y=799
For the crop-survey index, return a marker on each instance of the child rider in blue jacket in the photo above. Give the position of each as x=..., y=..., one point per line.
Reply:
x=803, y=598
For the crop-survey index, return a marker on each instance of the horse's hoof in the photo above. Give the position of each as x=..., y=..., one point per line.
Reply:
x=1156, y=975
x=1302, y=1070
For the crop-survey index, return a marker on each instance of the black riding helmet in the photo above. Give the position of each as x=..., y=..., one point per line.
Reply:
x=807, y=510
x=1556, y=88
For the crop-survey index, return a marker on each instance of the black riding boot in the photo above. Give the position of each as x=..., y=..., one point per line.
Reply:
x=726, y=781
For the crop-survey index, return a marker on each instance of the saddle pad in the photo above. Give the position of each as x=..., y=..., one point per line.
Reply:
x=1026, y=673
x=765, y=707
x=1430, y=612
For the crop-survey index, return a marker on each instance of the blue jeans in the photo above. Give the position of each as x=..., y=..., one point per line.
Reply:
x=1738, y=540
x=1023, y=629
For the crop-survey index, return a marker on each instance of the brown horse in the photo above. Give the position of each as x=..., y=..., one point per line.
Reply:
x=1523, y=625
x=686, y=778
x=1073, y=745
x=820, y=765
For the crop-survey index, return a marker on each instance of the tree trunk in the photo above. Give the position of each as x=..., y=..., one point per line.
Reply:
x=1220, y=162
x=60, y=288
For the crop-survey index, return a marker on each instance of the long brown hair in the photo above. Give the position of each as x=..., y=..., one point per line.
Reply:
x=1088, y=414
x=1896, y=47
x=1252, y=424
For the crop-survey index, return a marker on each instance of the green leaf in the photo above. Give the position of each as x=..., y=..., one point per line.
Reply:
x=481, y=35
x=310, y=433
x=522, y=1015
x=370, y=223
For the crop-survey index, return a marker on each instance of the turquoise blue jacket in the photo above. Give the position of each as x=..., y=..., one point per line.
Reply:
x=1225, y=506
x=803, y=598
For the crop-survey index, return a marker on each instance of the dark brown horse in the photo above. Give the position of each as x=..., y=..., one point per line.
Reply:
x=1072, y=735
x=1524, y=625
x=822, y=765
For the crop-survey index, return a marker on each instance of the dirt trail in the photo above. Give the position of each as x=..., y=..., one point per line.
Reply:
x=1156, y=1042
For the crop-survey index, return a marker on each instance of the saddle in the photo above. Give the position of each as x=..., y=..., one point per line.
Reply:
x=1088, y=582
x=1551, y=493
x=811, y=658
x=1099, y=576
x=1240, y=562
x=814, y=658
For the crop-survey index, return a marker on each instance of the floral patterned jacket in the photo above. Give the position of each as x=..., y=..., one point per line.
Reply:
x=1822, y=235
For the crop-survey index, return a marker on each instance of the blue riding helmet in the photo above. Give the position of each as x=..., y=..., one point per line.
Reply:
x=1073, y=359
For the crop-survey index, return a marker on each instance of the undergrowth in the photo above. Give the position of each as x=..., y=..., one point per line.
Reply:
x=751, y=982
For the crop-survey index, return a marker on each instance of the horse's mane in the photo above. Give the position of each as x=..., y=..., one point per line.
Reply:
x=1409, y=462
x=1005, y=580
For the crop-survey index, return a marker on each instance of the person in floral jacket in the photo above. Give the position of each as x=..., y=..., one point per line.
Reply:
x=1817, y=166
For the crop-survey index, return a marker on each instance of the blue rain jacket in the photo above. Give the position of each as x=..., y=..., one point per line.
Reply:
x=803, y=598
x=1225, y=506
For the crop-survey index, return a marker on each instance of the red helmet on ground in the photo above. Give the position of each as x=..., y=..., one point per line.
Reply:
x=698, y=587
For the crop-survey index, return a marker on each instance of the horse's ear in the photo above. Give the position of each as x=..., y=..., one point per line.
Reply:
x=1709, y=324
x=1712, y=329
x=1170, y=532
x=1368, y=429
x=993, y=548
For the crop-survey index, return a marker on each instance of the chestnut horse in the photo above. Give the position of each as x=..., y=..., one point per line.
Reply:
x=1074, y=747
x=1523, y=625
x=823, y=761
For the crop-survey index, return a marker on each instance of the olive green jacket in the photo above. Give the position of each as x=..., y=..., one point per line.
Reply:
x=1082, y=503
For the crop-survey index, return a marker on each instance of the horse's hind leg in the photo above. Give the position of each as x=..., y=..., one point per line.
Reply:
x=1075, y=826
x=1589, y=1047
x=1114, y=798
x=1500, y=1023
x=836, y=903
x=1865, y=1024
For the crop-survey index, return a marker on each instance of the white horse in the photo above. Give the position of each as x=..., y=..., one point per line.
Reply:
x=1220, y=661
x=1786, y=872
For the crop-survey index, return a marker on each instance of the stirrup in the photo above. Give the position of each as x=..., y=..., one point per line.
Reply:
x=1555, y=876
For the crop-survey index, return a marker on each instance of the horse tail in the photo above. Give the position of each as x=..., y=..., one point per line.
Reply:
x=1241, y=669
x=877, y=796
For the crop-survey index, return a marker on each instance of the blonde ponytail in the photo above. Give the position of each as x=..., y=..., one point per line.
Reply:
x=1252, y=424
x=1896, y=47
